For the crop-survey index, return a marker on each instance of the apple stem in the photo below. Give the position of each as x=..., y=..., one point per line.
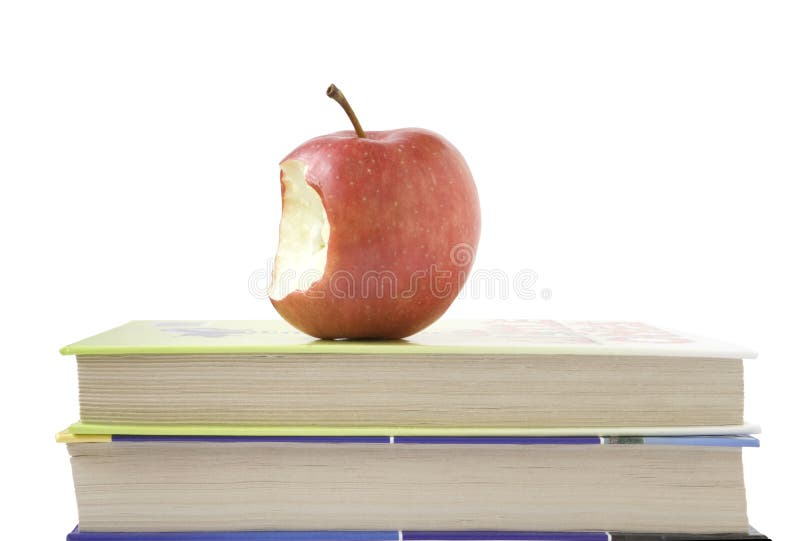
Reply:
x=336, y=95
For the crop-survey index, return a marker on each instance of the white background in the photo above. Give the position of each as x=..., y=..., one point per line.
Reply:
x=641, y=157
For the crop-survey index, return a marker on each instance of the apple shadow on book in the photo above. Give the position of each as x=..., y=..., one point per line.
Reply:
x=363, y=340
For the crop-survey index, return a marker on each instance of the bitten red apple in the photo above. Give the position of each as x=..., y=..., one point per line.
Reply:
x=378, y=232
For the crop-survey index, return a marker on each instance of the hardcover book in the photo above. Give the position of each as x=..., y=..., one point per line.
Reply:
x=461, y=377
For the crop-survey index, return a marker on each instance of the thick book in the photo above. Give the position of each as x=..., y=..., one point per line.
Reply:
x=368, y=535
x=606, y=377
x=656, y=485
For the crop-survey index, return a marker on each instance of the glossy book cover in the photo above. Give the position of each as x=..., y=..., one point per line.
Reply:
x=739, y=441
x=468, y=337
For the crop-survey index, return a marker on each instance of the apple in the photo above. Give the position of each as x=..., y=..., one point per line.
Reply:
x=378, y=232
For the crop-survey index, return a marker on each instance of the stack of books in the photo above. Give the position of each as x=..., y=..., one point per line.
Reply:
x=470, y=430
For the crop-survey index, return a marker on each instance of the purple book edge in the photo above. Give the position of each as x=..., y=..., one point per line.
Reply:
x=700, y=441
x=338, y=535
x=391, y=535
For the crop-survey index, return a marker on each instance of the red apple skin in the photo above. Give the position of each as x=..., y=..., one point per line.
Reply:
x=402, y=203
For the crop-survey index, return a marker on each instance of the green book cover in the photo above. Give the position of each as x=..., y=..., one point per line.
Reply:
x=466, y=337
x=95, y=432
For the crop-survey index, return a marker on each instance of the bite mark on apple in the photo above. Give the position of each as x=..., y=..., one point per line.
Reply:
x=303, y=234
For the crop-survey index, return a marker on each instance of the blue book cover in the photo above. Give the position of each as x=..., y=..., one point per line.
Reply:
x=391, y=535
x=694, y=441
